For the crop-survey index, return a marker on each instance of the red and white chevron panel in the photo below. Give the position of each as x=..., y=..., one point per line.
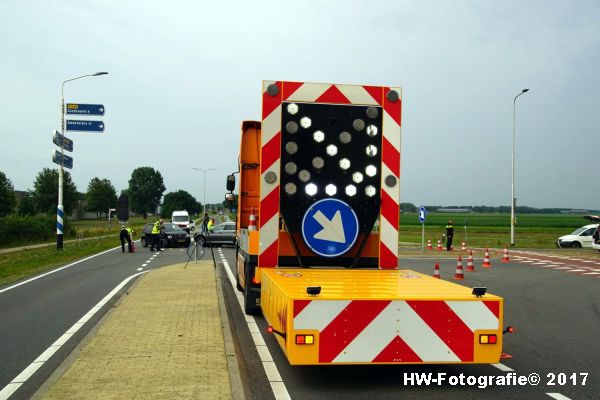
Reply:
x=385, y=331
x=271, y=157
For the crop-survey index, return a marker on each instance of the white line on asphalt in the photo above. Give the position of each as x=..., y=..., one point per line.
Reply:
x=277, y=384
x=55, y=270
x=562, y=268
x=548, y=266
x=539, y=263
x=502, y=367
x=144, y=265
x=558, y=396
x=12, y=387
x=591, y=273
x=577, y=270
x=526, y=261
x=140, y=268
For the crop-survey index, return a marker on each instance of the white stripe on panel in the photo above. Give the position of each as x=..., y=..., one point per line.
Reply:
x=357, y=94
x=309, y=92
x=319, y=313
x=474, y=314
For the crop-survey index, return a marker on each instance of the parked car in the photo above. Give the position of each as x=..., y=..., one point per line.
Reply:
x=171, y=235
x=581, y=237
x=224, y=233
x=183, y=220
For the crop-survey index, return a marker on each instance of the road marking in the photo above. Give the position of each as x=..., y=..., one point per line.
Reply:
x=526, y=261
x=502, y=367
x=548, y=266
x=144, y=265
x=577, y=270
x=277, y=385
x=56, y=270
x=558, y=396
x=20, y=379
x=562, y=268
x=591, y=273
x=539, y=263
x=139, y=269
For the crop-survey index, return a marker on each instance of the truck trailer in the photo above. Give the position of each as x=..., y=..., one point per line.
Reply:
x=317, y=248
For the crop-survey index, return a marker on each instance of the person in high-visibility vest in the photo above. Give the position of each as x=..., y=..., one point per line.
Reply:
x=449, y=235
x=125, y=235
x=211, y=223
x=156, y=235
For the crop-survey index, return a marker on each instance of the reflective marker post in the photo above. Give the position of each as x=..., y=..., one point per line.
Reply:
x=422, y=214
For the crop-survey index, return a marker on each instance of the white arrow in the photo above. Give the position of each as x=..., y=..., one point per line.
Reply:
x=333, y=230
x=101, y=126
x=101, y=109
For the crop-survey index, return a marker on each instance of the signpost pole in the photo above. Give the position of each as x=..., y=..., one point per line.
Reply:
x=422, y=237
x=60, y=209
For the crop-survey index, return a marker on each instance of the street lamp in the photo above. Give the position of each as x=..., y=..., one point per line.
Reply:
x=512, y=205
x=204, y=171
x=60, y=210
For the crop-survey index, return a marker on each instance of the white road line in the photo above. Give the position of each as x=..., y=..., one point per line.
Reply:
x=12, y=387
x=526, y=261
x=558, y=396
x=558, y=263
x=591, y=273
x=548, y=266
x=139, y=269
x=539, y=263
x=144, y=265
x=6, y=289
x=277, y=385
x=577, y=270
x=588, y=261
x=562, y=268
x=502, y=367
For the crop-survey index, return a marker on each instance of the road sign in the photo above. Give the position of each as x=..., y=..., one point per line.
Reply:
x=330, y=227
x=422, y=214
x=85, y=109
x=67, y=161
x=85, y=126
x=67, y=143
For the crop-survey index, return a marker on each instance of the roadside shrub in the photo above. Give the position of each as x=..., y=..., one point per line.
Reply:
x=20, y=230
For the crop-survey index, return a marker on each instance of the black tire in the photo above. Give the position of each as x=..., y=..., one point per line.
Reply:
x=143, y=242
x=576, y=245
x=250, y=296
x=237, y=275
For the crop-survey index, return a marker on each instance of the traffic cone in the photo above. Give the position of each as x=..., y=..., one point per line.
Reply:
x=470, y=266
x=439, y=245
x=436, y=271
x=252, y=221
x=463, y=246
x=132, y=249
x=486, y=260
x=459, y=270
x=505, y=258
x=429, y=246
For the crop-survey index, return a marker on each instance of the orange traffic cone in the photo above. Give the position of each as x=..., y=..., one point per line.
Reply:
x=486, y=260
x=463, y=246
x=252, y=221
x=439, y=245
x=470, y=266
x=459, y=270
x=436, y=271
x=429, y=246
x=505, y=258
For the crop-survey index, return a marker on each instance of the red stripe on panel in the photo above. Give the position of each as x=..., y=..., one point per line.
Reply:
x=268, y=258
x=271, y=152
x=300, y=305
x=387, y=258
x=376, y=93
x=269, y=206
x=389, y=209
x=289, y=88
x=270, y=103
x=397, y=351
x=494, y=307
x=447, y=325
x=346, y=326
x=390, y=156
x=333, y=95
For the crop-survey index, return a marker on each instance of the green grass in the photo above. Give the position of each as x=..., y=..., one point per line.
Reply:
x=21, y=264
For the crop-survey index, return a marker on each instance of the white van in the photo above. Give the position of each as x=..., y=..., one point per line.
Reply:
x=183, y=220
x=581, y=237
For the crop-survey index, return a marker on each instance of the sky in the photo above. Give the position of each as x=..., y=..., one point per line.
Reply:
x=184, y=74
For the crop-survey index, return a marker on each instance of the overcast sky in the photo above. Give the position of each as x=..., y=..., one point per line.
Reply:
x=184, y=75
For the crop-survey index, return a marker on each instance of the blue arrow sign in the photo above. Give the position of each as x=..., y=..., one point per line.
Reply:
x=59, y=139
x=330, y=227
x=422, y=214
x=85, y=126
x=67, y=161
x=85, y=109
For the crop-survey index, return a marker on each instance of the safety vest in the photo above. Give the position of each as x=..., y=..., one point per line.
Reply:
x=210, y=225
x=130, y=231
x=156, y=228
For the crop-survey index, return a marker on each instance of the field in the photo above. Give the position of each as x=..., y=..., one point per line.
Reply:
x=492, y=230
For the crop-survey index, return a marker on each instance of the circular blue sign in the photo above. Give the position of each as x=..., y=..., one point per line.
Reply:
x=330, y=227
x=422, y=214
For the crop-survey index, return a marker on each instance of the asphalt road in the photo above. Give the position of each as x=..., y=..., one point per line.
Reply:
x=36, y=314
x=556, y=314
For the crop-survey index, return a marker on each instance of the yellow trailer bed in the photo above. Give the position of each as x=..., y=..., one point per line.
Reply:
x=378, y=317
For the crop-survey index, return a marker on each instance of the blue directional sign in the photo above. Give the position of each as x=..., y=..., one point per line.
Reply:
x=330, y=227
x=59, y=140
x=85, y=109
x=67, y=161
x=422, y=214
x=85, y=126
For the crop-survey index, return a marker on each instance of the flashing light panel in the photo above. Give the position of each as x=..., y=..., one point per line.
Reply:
x=311, y=189
x=344, y=163
x=292, y=108
x=331, y=189
x=318, y=136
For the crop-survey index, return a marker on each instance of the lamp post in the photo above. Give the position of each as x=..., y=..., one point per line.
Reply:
x=513, y=199
x=60, y=212
x=204, y=171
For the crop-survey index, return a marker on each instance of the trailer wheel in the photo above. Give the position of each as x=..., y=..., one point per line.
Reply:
x=250, y=296
x=237, y=275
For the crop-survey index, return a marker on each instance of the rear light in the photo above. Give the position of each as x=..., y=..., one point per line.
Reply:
x=256, y=281
x=305, y=339
x=488, y=339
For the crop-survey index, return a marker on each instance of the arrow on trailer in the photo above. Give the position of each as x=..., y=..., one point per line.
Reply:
x=333, y=230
